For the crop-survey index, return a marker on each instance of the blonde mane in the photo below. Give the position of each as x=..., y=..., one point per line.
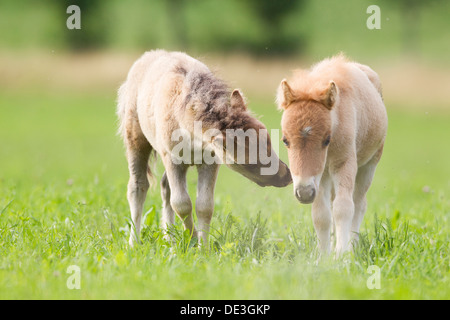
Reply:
x=309, y=84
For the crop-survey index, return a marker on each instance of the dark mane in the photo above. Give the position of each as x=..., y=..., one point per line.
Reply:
x=212, y=96
x=208, y=89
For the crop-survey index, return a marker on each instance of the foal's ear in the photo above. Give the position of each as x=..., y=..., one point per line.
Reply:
x=237, y=100
x=285, y=95
x=329, y=97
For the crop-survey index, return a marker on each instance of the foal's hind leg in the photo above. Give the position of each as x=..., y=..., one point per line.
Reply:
x=204, y=205
x=362, y=183
x=168, y=215
x=138, y=154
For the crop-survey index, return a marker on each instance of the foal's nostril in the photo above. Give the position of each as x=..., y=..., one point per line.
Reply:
x=313, y=193
x=297, y=195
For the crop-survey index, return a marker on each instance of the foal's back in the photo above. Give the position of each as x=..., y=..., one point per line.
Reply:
x=152, y=96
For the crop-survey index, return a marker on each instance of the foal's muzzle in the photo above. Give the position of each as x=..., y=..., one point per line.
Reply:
x=305, y=194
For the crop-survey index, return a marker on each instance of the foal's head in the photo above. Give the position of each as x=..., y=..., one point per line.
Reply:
x=247, y=147
x=307, y=132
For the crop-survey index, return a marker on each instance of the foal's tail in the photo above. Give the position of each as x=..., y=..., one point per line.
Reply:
x=125, y=100
x=129, y=129
x=152, y=163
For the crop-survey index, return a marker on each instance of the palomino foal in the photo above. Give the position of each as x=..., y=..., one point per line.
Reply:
x=168, y=97
x=334, y=125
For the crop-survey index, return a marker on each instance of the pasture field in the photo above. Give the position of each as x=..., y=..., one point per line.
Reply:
x=63, y=172
x=63, y=178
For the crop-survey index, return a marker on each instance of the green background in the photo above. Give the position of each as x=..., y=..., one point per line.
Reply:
x=63, y=172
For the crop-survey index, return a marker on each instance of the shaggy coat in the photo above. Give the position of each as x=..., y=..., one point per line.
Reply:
x=170, y=92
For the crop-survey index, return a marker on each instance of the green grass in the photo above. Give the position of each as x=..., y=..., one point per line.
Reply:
x=63, y=179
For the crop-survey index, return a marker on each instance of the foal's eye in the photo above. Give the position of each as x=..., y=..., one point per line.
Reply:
x=286, y=143
x=326, y=142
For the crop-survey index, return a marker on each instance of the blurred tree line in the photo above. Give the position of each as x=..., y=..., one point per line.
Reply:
x=261, y=27
x=187, y=21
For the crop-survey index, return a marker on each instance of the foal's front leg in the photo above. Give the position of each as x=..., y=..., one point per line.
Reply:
x=343, y=205
x=204, y=204
x=321, y=213
x=179, y=196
